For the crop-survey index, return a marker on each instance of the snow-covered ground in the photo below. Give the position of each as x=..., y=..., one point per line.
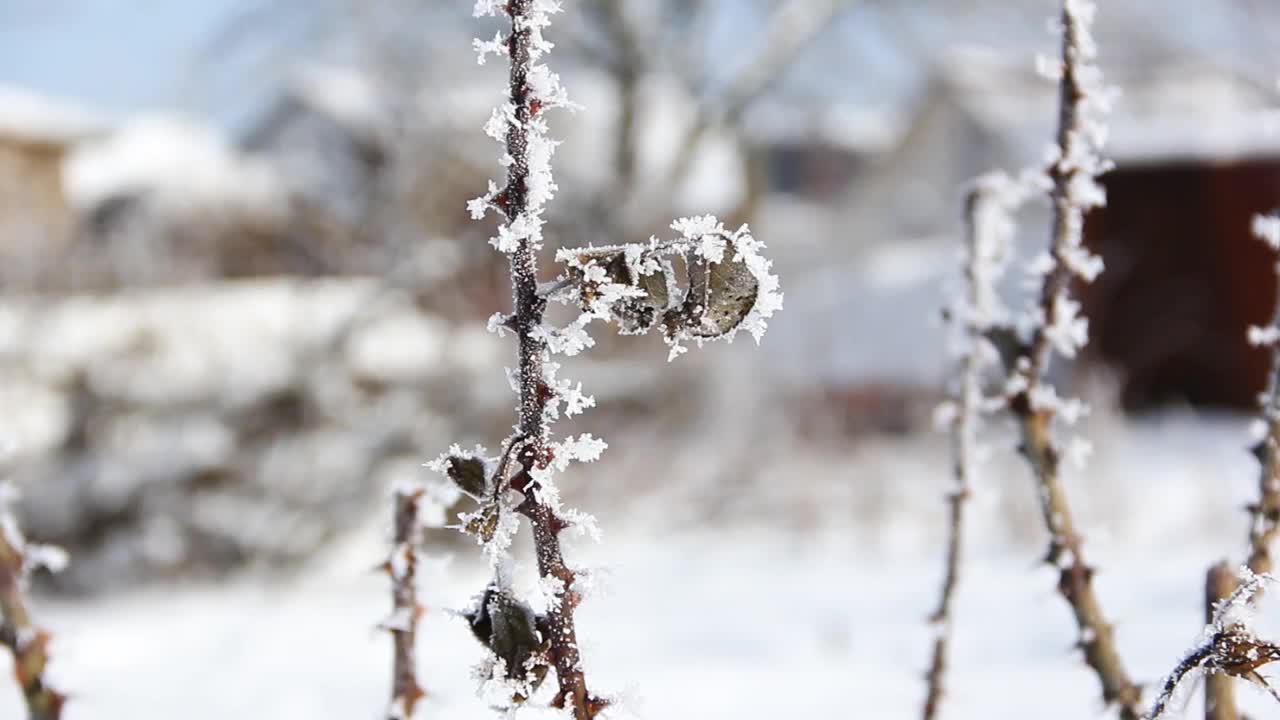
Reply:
x=748, y=617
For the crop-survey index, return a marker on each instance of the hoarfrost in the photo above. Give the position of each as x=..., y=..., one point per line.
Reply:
x=1267, y=228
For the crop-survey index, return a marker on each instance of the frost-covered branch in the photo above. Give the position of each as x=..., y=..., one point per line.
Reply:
x=1229, y=646
x=727, y=286
x=415, y=507
x=402, y=568
x=1265, y=512
x=26, y=642
x=1056, y=326
x=521, y=124
x=973, y=316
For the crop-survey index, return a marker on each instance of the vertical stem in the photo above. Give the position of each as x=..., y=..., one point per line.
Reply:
x=962, y=439
x=1265, y=526
x=28, y=644
x=403, y=569
x=1075, y=580
x=1066, y=552
x=534, y=393
x=1219, y=691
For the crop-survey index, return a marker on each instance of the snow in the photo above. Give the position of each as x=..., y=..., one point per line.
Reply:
x=1168, y=111
x=808, y=614
x=1267, y=228
x=183, y=163
x=28, y=115
x=401, y=347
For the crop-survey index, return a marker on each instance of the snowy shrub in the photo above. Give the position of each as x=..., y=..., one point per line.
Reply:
x=726, y=286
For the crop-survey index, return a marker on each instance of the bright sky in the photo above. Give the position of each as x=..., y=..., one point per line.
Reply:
x=121, y=56
x=113, y=56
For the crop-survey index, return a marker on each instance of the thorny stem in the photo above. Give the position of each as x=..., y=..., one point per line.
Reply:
x=534, y=393
x=962, y=441
x=1075, y=581
x=403, y=569
x=28, y=644
x=1066, y=214
x=1265, y=525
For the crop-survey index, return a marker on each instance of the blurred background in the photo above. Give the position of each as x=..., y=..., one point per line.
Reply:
x=240, y=295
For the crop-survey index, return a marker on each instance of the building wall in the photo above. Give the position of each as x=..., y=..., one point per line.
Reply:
x=1185, y=278
x=36, y=223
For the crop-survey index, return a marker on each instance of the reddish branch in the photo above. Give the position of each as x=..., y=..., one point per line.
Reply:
x=28, y=644
x=1066, y=551
x=402, y=567
x=534, y=392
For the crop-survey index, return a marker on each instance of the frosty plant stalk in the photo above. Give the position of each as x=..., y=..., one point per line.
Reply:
x=402, y=567
x=726, y=286
x=974, y=315
x=27, y=642
x=1055, y=326
x=1264, y=513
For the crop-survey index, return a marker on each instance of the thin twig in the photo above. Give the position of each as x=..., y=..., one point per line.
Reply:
x=1189, y=664
x=28, y=644
x=402, y=567
x=963, y=431
x=1033, y=404
x=1265, y=512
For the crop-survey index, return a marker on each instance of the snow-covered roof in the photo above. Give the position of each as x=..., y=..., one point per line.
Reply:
x=1174, y=111
x=30, y=116
x=349, y=96
x=179, y=162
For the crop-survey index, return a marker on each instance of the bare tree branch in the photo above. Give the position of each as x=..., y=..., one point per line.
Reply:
x=402, y=567
x=963, y=431
x=1035, y=403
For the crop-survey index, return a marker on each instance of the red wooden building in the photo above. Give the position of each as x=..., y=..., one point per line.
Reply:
x=1184, y=279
